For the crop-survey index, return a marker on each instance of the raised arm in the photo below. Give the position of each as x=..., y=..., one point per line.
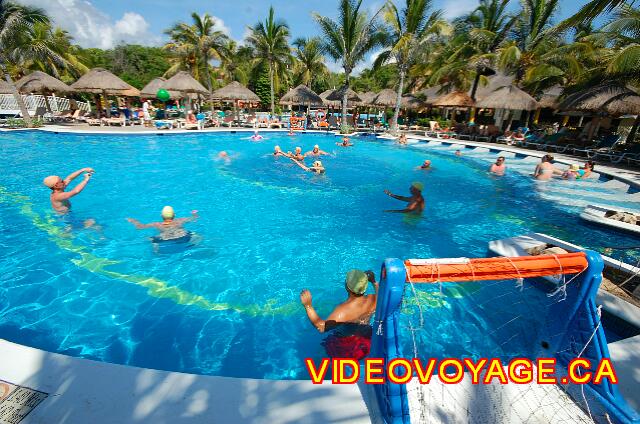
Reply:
x=139, y=225
x=75, y=175
x=77, y=189
x=301, y=165
x=395, y=196
x=194, y=216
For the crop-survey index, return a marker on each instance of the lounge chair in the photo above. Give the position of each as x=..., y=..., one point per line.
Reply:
x=629, y=154
x=166, y=124
x=332, y=121
x=120, y=120
x=94, y=122
x=604, y=146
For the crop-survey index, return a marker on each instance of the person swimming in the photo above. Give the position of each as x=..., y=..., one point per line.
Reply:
x=60, y=198
x=587, y=169
x=291, y=133
x=256, y=136
x=415, y=202
x=171, y=227
x=498, y=167
x=402, y=139
x=317, y=166
x=278, y=152
x=316, y=152
x=345, y=142
x=572, y=173
x=425, y=165
x=458, y=153
x=297, y=155
x=224, y=156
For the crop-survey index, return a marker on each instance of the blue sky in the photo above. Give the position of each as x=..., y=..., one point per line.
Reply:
x=103, y=23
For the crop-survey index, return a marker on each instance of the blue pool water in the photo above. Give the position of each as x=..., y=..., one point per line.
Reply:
x=230, y=304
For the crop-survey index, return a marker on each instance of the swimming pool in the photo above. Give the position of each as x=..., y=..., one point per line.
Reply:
x=229, y=306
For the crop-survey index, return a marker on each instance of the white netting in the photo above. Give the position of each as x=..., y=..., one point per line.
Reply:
x=487, y=319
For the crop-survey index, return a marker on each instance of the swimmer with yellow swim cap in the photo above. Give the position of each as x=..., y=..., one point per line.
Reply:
x=59, y=197
x=171, y=227
x=358, y=308
x=415, y=202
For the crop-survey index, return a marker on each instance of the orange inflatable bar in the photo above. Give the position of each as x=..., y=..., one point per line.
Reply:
x=500, y=268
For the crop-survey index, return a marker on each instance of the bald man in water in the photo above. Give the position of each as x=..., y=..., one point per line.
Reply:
x=60, y=198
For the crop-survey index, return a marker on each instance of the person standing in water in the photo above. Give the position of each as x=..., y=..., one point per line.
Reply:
x=415, y=202
x=316, y=152
x=60, y=198
x=171, y=227
x=499, y=167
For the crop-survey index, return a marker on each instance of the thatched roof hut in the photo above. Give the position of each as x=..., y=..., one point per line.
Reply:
x=301, y=95
x=455, y=99
x=183, y=82
x=366, y=99
x=101, y=81
x=337, y=95
x=39, y=82
x=493, y=83
x=411, y=102
x=430, y=94
x=330, y=103
x=604, y=99
x=551, y=97
x=510, y=97
x=386, y=98
x=235, y=91
x=151, y=89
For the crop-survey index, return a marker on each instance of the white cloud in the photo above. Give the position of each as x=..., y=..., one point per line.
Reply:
x=454, y=8
x=92, y=28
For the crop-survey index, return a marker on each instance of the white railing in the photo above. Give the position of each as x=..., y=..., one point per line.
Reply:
x=9, y=105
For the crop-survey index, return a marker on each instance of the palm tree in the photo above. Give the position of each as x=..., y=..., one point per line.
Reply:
x=349, y=39
x=532, y=37
x=197, y=44
x=408, y=28
x=270, y=40
x=236, y=65
x=15, y=20
x=623, y=34
x=310, y=60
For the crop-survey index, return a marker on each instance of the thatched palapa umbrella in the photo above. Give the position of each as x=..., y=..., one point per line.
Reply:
x=101, y=81
x=151, y=89
x=455, y=99
x=301, y=95
x=605, y=99
x=234, y=92
x=385, y=98
x=366, y=99
x=39, y=82
x=329, y=103
x=412, y=102
x=185, y=84
x=336, y=95
x=510, y=98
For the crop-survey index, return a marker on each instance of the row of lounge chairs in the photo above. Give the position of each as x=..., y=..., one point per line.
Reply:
x=608, y=148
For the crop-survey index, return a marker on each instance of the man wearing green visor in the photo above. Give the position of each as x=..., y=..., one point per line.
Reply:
x=357, y=309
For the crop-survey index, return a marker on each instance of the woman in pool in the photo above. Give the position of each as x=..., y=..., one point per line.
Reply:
x=402, y=139
x=256, y=136
x=545, y=170
x=171, y=227
x=316, y=152
x=278, y=152
x=345, y=142
x=297, y=155
x=587, y=169
x=317, y=166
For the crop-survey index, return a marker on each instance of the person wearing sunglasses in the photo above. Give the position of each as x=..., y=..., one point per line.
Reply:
x=498, y=167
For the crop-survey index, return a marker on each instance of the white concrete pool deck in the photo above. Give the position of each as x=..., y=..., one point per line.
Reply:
x=81, y=391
